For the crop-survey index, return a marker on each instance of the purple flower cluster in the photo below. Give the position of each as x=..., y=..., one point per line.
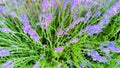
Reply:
x=87, y=63
x=59, y=49
x=47, y=19
x=60, y=32
x=110, y=47
x=45, y=5
x=4, y=52
x=96, y=29
x=81, y=65
x=37, y=65
x=88, y=15
x=8, y=64
x=75, y=3
x=96, y=14
x=74, y=23
x=96, y=57
x=93, y=29
x=28, y=29
x=6, y=30
x=111, y=11
x=2, y=8
x=75, y=40
x=54, y=4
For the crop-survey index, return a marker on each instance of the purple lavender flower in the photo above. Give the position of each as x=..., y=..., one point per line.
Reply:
x=96, y=14
x=4, y=52
x=54, y=4
x=87, y=3
x=60, y=32
x=111, y=11
x=27, y=28
x=2, y=8
x=102, y=59
x=33, y=34
x=40, y=17
x=105, y=49
x=87, y=63
x=13, y=14
x=74, y=16
x=75, y=3
x=93, y=29
x=65, y=3
x=93, y=52
x=88, y=15
x=81, y=66
x=96, y=57
x=59, y=49
x=6, y=30
x=73, y=24
x=111, y=45
x=24, y=19
x=116, y=49
x=75, y=40
x=45, y=5
x=8, y=64
x=37, y=65
x=48, y=18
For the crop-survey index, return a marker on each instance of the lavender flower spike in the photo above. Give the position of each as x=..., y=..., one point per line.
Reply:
x=4, y=52
x=37, y=65
x=2, y=8
x=73, y=24
x=60, y=32
x=96, y=57
x=96, y=14
x=48, y=18
x=111, y=11
x=88, y=15
x=59, y=49
x=93, y=29
x=8, y=64
x=75, y=3
x=75, y=40
x=28, y=29
x=6, y=30
x=45, y=5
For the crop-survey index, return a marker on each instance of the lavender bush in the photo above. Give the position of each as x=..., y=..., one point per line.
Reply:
x=59, y=33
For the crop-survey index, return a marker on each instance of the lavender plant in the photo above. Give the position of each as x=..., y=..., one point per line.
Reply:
x=59, y=33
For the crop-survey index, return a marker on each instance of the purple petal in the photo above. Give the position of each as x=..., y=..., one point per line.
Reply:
x=4, y=52
x=59, y=49
x=37, y=65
